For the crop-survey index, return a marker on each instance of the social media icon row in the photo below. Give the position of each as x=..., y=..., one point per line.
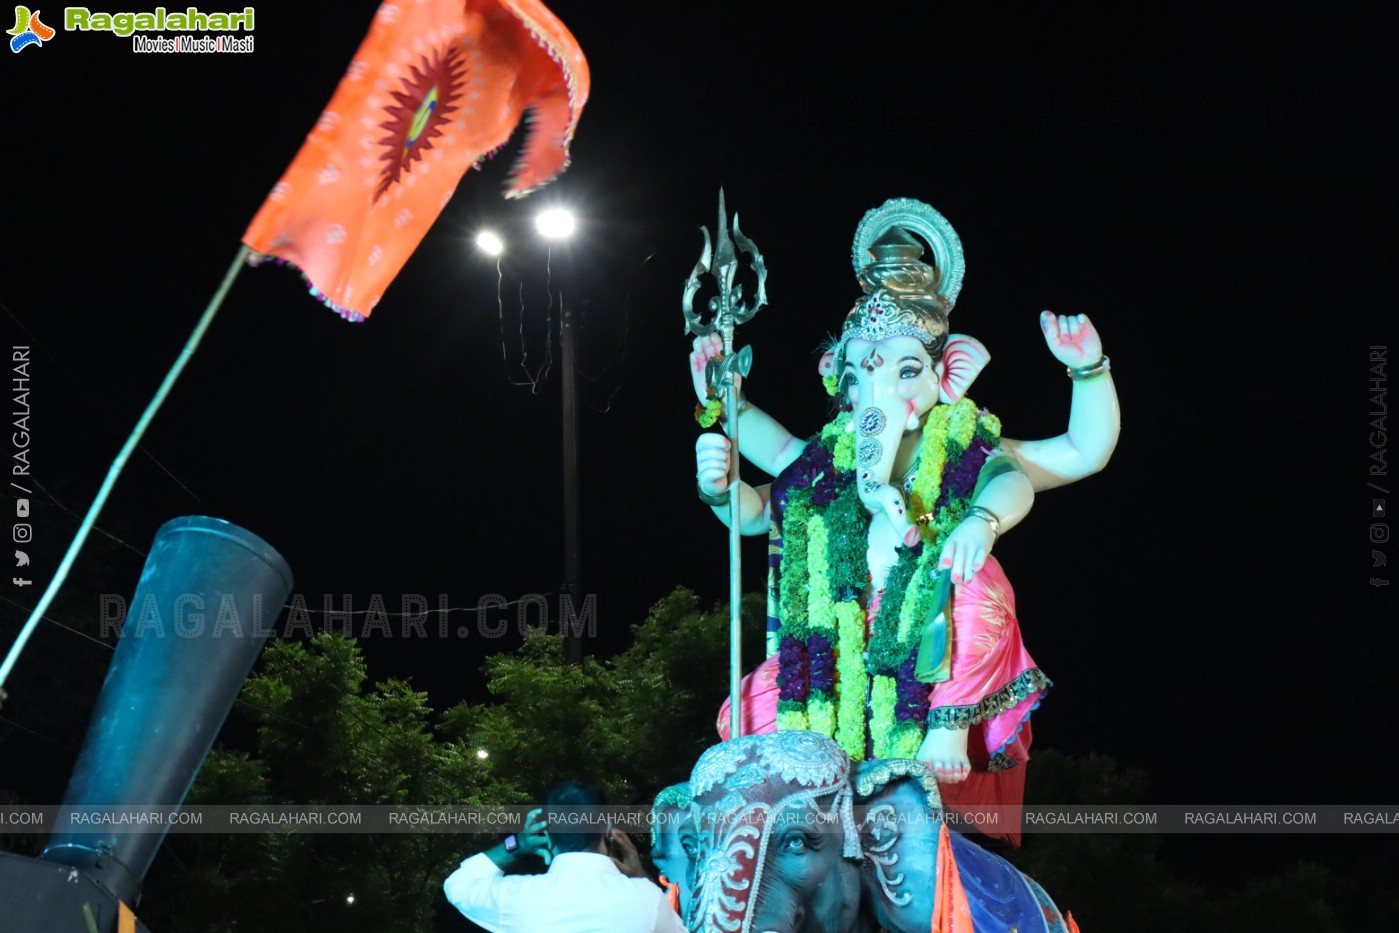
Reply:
x=21, y=560
x=22, y=531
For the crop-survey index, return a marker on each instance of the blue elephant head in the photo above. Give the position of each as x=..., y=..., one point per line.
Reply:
x=673, y=840
x=790, y=837
x=765, y=806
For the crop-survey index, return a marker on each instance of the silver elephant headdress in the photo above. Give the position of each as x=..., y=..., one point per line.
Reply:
x=904, y=296
x=738, y=787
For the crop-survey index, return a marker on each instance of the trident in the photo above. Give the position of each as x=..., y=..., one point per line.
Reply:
x=726, y=312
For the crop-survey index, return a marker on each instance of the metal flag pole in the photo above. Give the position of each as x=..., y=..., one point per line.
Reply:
x=119, y=464
x=726, y=312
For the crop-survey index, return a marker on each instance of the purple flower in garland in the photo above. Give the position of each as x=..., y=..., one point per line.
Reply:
x=825, y=492
x=792, y=675
x=913, y=694
x=809, y=465
x=814, y=461
x=823, y=663
x=778, y=496
x=960, y=481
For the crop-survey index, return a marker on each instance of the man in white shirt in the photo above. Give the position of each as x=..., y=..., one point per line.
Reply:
x=595, y=883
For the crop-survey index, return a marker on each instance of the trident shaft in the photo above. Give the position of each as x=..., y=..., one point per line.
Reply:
x=726, y=311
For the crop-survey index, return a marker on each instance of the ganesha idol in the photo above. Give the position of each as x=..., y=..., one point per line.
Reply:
x=783, y=833
x=891, y=628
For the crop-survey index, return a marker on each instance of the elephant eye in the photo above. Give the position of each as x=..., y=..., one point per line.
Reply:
x=910, y=372
x=797, y=843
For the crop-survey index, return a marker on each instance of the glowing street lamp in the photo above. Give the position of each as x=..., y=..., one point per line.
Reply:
x=488, y=242
x=555, y=223
x=482, y=754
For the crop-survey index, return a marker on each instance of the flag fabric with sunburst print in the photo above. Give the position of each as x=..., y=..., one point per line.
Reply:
x=436, y=86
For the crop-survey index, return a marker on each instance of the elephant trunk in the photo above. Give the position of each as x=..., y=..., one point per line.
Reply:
x=879, y=426
x=778, y=912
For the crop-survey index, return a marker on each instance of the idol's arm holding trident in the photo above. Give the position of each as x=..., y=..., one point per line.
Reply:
x=722, y=374
x=1085, y=448
x=764, y=442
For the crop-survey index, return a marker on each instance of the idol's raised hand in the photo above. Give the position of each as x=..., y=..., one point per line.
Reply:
x=702, y=351
x=1072, y=338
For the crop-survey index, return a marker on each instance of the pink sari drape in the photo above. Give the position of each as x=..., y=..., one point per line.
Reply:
x=994, y=683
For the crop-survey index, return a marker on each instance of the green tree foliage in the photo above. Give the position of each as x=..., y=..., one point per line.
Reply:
x=668, y=686
x=633, y=724
x=323, y=737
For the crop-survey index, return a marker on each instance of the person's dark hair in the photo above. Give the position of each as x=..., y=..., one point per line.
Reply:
x=571, y=827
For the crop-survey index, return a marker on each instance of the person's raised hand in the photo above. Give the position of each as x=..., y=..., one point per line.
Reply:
x=534, y=838
x=623, y=852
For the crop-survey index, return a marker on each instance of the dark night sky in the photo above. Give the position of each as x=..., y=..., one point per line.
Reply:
x=1202, y=605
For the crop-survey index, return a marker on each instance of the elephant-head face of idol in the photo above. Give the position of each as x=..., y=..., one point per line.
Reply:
x=778, y=849
x=673, y=841
x=895, y=360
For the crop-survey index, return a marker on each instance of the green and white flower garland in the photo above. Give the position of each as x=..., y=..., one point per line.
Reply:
x=824, y=573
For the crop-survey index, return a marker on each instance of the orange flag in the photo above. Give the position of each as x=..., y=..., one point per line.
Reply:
x=436, y=86
x=951, y=912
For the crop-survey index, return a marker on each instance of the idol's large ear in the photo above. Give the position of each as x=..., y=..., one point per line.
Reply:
x=827, y=365
x=898, y=811
x=962, y=360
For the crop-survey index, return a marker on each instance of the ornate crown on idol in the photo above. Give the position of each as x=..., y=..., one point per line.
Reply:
x=904, y=296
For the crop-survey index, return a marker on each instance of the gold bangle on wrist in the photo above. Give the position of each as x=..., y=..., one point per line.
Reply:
x=1077, y=373
x=715, y=501
x=987, y=516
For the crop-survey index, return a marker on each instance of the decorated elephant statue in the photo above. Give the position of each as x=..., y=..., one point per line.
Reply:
x=792, y=837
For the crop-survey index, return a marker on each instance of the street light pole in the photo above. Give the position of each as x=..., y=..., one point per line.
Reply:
x=558, y=224
x=573, y=639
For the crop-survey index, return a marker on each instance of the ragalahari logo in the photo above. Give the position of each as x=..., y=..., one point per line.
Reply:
x=29, y=30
